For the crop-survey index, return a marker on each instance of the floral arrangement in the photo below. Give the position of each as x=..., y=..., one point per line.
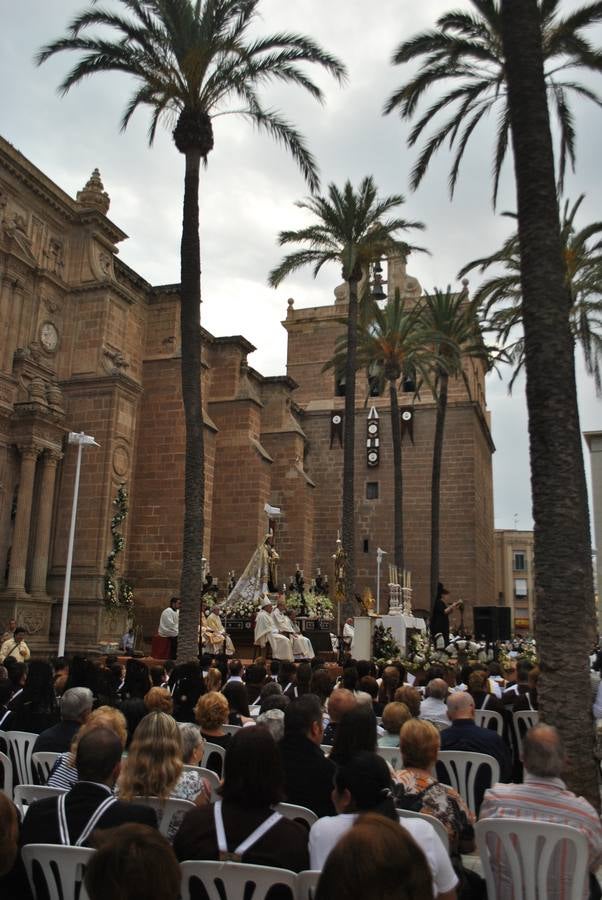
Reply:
x=384, y=646
x=319, y=606
x=118, y=593
x=241, y=609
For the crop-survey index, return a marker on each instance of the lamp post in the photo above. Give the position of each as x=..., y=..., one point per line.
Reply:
x=379, y=558
x=82, y=440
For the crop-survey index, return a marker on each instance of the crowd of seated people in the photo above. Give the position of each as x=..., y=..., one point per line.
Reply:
x=303, y=736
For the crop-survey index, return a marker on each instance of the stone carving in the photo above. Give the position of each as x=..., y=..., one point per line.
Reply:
x=53, y=306
x=121, y=460
x=94, y=195
x=55, y=257
x=105, y=261
x=36, y=391
x=115, y=362
x=54, y=396
x=35, y=618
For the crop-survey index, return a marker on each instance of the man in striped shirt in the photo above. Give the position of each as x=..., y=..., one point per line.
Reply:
x=543, y=797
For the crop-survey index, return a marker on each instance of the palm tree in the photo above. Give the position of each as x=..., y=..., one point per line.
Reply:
x=192, y=60
x=565, y=620
x=467, y=48
x=389, y=348
x=351, y=228
x=499, y=298
x=449, y=322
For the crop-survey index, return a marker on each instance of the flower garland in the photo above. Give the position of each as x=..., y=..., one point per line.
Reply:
x=118, y=593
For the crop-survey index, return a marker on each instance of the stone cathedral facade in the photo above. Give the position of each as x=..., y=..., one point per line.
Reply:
x=86, y=344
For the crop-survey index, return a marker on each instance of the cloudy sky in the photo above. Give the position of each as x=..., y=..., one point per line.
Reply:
x=250, y=185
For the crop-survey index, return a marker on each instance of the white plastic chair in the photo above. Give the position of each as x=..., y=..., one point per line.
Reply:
x=166, y=810
x=6, y=784
x=62, y=868
x=235, y=877
x=231, y=729
x=392, y=755
x=209, y=750
x=431, y=820
x=21, y=747
x=326, y=748
x=484, y=717
x=462, y=768
x=291, y=811
x=527, y=718
x=307, y=882
x=534, y=856
x=26, y=794
x=43, y=763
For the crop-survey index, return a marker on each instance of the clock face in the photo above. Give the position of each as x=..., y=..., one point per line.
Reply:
x=373, y=428
x=406, y=416
x=336, y=420
x=49, y=337
x=372, y=458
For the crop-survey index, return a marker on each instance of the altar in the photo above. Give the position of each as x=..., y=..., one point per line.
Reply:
x=402, y=626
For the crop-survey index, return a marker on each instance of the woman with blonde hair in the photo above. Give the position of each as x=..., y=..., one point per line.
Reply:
x=211, y=712
x=154, y=766
x=213, y=679
x=64, y=773
x=159, y=698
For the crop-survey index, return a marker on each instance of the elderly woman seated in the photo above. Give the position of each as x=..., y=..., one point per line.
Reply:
x=394, y=716
x=419, y=790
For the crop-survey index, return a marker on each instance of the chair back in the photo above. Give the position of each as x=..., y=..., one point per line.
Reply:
x=307, y=882
x=233, y=878
x=166, y=810
x=210, y=750
x=541, y=860
x=436, y=823
x=26, y=794
x=210, y=776
x=20, y=750
x=326, y=748
x=462, y=768
x=231, y=729
x=296, y=813
x=522, y=720
x=392, y=755
x=62, y=869
x=6, y=781
x=43, y=763
x=485, y=718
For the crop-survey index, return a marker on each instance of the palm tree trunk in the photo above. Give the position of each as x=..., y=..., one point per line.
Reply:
x=436, y=481
x=397, y=477
x=565, y=623
x=194, y=477
x=349, y=451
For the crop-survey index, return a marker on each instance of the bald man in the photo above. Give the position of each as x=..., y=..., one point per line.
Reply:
x=543, y=797
x=433, y=707
x=465, y=734
x=340, y=701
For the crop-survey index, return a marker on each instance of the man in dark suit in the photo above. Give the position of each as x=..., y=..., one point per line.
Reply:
x=98, y=760
x=308, y=773
x=76, y=706
x=465, y=735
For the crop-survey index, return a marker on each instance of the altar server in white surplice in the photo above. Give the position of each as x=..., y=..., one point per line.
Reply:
x=266, y=631
x=302, y=648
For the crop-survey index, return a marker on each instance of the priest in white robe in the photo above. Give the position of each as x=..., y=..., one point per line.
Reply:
x=266, y=631
x=302, y=648
x=213, y=634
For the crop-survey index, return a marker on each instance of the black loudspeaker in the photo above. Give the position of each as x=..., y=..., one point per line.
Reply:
x=492, y=623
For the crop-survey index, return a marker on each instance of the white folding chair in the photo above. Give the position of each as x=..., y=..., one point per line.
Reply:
x=43, y=763
x=326, y=748
x=26, y=794
x=431, y=820
x=209, y=750
x=62, y=869
x=234, y=877
x=20, y=750
x=392, y=755
x=296, y=813
x=307, y=882
x=540, y=860
x=462, y=768
x=526, y=718
x=6, y=783
x=167, y=810
x=231, y=729
x=210, y=776
x=484, y=718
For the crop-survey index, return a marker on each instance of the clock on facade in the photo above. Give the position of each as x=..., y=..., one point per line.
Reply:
x=49, y=337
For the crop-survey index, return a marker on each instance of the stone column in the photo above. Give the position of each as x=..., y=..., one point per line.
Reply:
x=40, y=556
x=20, y=545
